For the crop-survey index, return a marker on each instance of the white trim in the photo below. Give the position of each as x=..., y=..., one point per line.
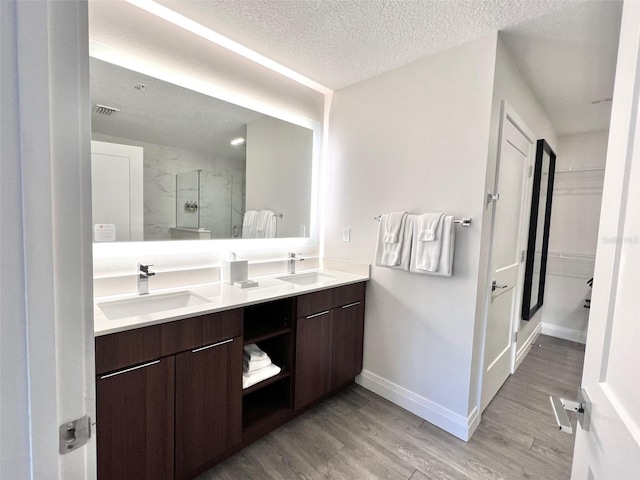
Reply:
x=572, y=334
x=455, y=424
x=526, y=346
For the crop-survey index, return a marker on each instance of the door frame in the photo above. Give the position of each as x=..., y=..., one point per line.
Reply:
x=52, y=279
x=508, y=113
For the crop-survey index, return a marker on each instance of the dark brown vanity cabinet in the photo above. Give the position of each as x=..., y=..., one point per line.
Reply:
x=134, y=427
x=208, y=395
x=177, y=406
x=329, y=335
x=170, y=401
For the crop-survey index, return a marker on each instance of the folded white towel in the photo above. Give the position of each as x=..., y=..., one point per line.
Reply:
x=395, y=255
x=426, y=255
x=265, y=224
x=249, y=366
x=249, y=224
x=428, y=224
x=435, y=257
x=393, y=225
x=249, y=379
x=254, y=352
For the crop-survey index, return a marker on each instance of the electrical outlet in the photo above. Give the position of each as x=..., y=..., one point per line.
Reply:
x=346, y=234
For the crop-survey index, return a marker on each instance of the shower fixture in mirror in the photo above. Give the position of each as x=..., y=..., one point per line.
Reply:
x=206, y=163
x=539, y=223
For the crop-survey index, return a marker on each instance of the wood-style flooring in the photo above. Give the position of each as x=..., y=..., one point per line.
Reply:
x=359, y=435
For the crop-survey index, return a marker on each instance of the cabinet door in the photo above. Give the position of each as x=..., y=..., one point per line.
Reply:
x=208, y=404
x=134, y=428
x=313, y=357
x=348, y=331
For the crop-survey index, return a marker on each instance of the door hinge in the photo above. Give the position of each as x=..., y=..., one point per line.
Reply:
x=530, y=171
x=74, y=434
x=523, y=256
x=515, y=337
x=492, y=197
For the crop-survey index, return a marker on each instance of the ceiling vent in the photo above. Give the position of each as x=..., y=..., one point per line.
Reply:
x=104, y=110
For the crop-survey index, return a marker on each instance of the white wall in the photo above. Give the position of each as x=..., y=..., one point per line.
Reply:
x=511, y=86
x=575, y=219
x=415, y=139
x=279, y=159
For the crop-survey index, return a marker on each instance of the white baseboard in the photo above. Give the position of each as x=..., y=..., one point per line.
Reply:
x=526, y=346
x=455, y=424
x=571, y=334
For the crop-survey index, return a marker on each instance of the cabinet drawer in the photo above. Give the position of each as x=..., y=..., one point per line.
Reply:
x=198, y=331
x=348, y=294
x=316, y=302
x=312, y=303
x=119, y=350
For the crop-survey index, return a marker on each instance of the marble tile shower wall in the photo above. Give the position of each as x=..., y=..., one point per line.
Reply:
x=222, y=188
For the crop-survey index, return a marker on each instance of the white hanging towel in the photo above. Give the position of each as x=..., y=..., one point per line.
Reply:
x=395, y=254
x=249, y=224
x=266, y=224
x=434, y=257
x=393, y=225
x=428, y=224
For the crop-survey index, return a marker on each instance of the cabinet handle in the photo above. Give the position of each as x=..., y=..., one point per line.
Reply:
x=318, y=314
x=351, y=305
x=129, y=369
x=211, y=346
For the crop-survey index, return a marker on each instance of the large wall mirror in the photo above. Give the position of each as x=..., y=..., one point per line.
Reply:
x=539, y=224
x=170, y=163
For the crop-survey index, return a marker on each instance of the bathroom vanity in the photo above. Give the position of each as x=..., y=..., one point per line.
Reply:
x=170, y=401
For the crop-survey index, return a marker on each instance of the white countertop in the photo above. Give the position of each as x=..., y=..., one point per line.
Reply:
x=222, y=297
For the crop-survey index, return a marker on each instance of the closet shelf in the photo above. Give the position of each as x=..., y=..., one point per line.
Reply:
x=568, y=264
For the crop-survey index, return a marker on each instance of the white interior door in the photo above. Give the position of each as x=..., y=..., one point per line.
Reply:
x=117, y=189
x=610, y=449
x=515, y=156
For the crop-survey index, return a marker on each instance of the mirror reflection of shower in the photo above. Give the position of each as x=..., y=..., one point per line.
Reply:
x=203, y=205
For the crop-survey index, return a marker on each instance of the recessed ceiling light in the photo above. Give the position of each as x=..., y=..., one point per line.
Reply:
x=237, y=141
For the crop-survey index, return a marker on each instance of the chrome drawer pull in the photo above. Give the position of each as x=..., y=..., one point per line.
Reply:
x=351, y=305
x=318, y=314
x=211, y=346
x=129, y=369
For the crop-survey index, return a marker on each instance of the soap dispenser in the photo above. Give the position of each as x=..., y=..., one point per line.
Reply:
x=234, y=270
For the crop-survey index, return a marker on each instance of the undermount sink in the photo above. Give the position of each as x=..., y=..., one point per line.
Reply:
x=143, y=305
x=306, y=278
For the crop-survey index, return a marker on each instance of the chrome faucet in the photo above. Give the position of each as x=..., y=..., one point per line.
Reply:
x=292, y=261
x=143, y=278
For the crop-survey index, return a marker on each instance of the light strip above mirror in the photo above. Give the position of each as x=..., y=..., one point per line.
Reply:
x=214, y=37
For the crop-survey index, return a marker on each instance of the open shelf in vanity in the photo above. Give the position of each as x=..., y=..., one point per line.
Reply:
x=270, y=326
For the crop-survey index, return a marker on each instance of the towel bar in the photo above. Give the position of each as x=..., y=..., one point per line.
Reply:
x=465, y=222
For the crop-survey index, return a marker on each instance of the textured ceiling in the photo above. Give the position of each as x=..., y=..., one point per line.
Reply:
x=569, y=60
x=337, y=43
x=566, y=49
